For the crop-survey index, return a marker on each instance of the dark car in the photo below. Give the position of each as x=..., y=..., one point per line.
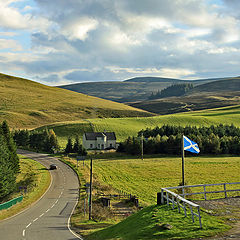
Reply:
x=53, y=166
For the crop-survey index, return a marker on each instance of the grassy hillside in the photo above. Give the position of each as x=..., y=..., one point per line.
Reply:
x=124, y=127
x=27, y=104
x=146, y=224
x=131, y=90
x=214, y=94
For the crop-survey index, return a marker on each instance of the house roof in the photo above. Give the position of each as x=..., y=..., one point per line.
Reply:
x=95, y=135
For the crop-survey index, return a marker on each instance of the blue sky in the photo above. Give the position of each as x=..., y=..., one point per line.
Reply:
x=66, y=41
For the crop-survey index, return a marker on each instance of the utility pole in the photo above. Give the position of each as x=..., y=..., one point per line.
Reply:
x=90, y=192
x=142, y=145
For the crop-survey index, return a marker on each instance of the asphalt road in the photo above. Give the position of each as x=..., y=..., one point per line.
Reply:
x=47, y=219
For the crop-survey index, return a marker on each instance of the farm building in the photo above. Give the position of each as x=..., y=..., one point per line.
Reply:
x=99, y=140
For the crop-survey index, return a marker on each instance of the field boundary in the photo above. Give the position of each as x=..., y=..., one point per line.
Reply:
x=180, y=201
x=205, y=192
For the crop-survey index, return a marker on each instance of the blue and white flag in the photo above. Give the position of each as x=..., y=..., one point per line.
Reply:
x=190, y=146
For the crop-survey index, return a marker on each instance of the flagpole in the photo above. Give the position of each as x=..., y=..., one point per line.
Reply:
x=182, y=161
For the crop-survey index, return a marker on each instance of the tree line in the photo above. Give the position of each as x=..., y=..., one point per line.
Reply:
x=220, y=139
x=45, y=140
x=9, y=161
x=173, y=90
x=75, y=147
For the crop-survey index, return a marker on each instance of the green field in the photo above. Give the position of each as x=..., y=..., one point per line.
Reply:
x=124, y=127
x=145, y=178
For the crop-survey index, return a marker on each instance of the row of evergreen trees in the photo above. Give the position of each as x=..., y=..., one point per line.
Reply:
x=173, y=90
x=75, y=147
x=224, y=139
x=9, y=161
x=45, y=140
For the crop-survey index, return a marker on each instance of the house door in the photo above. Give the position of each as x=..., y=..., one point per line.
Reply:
x=102, y=146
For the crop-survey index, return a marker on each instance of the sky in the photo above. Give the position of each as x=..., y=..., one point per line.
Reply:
x=59, y=42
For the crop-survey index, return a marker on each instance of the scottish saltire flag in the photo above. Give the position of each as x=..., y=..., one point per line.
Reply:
x=190, y=146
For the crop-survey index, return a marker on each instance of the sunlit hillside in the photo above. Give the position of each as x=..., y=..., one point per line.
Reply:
x=27, y=104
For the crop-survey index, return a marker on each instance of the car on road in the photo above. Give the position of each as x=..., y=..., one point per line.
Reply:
x=53, y=166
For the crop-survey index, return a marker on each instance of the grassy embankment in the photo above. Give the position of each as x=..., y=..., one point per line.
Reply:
x=37, y=179
x=144, y=179
x=124, y=127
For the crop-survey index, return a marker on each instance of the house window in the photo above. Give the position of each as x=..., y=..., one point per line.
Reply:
x=110, y=145
x=98, y=146
x=91, y=146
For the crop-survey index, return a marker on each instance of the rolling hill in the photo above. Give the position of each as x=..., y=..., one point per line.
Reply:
x=131, y=90
x=27, y=104
x=214, y=94
x=124, y=127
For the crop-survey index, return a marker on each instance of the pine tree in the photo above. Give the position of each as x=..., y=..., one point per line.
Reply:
x=69, y=146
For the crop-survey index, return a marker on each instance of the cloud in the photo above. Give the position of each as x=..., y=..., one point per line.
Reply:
x=109, y=39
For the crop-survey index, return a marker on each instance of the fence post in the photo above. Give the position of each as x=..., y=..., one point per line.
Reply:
x=162, y=196
x=205, y=195
x=173, y=203
x=225, y=190
x=192, y=213
x=184, y=208
x=199, y=217
x=167, y=199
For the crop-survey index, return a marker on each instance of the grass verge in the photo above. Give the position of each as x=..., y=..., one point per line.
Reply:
x=149, y=224
x=37, y=179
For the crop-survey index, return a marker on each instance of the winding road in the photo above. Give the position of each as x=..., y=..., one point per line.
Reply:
x=49, y=218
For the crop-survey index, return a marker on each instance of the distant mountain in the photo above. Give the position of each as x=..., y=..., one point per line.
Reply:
x=130, y=90
x=28, y=104
x=209, y=95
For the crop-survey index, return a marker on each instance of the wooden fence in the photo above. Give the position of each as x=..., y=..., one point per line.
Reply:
x=225, y=190
x=181, y=202
x=167, y=195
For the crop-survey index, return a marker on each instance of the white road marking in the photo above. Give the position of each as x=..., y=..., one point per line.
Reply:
x=41, y=215
x=28, y=225
x=23, y=233
x=35, y=219
x=48, y=210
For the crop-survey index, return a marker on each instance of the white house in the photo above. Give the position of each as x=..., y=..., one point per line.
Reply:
x=99, y=140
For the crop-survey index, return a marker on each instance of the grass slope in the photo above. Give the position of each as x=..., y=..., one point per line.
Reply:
x=33, y=175
x=27, y=104
x=124, y=127
x=145, y=225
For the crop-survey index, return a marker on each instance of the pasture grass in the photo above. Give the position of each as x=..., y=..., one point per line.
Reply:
x=144, y=178
x=124, y=127
x=28, y=104
x=146, y=224
x=37, y=179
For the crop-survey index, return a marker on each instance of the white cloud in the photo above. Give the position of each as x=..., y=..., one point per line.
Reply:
x=110, y=39
x=79, y=28
x=10, y=44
